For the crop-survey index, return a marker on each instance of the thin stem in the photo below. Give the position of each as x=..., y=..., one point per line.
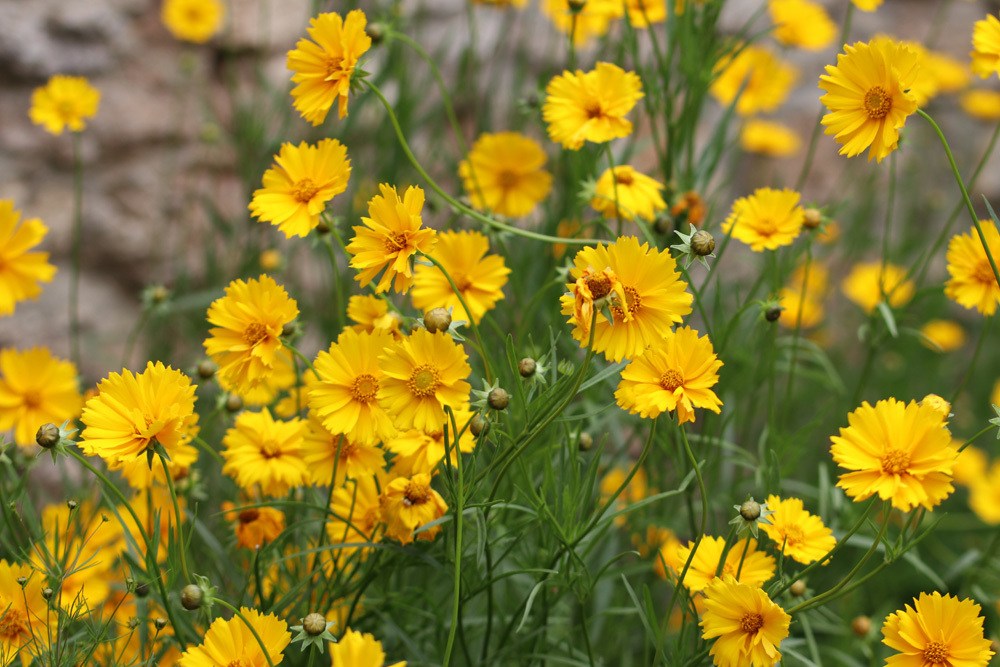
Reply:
x=181, y=545
x=456, y=603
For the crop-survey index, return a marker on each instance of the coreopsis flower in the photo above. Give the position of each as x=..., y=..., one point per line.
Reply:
x=281, y=377
x=193, y=20
x=870, y=283
x=591, y=106
x=502, y=3
x=248, y=320
x=628, y=194
x=797, y=533
x=802, y=297
x=688, y=207
x=986, y=46
x=133, y=412
x=937, y=630
x=418, y=451
x=655, y=298
x=230, y=642
x=802, y=23
x=900, y=451
x=354, y=648
x=326, y=453
x=423, y=373
x=981, y=104
x=407, y=504
x=479, y=276
x=970, y=467
x=154, y=508
x=665, y=553
x=757, y=568
x=950, y=75
x=65, y=101
x=984, y=492
x=675, y=373
x=36, y=388
x=83, y=567
x=254, y=526
x=942, y=335
x=747, y=624
x=867, y=5
x=21, y=268
x=355, y=516
x=636, y=491
x=867, y=94
x=370, y=314
x=26, y=624
x=760, y=79
x=941, y=405
x=325, y=63
x=263, y=452
x=972, y=283
x=767, y=219
x=644, y=13
x=769, y=138
x=298, y=186
x=139, y=475
x=593, y=20
x=390, y=238
x=504, y=173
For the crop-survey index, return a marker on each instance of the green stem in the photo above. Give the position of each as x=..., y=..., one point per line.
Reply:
x=181, y=545
x=253, y=630
x=456, y=603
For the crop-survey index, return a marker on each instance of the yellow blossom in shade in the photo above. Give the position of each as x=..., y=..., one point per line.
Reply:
x=280, y=378
x=154, y=508
x=757, y=567
x=870, y=283
x=769, y=138
x=760, y=79
x=970, y=465
x=73, y=555
x=36, y=388
x=972, y=283
x=260, y=451
x=479, y=276
x=355, y=517
x=504, y=173
x=418, y=451
x=802, y=23
x=26, y=624
x=937, y=630
x=139, y=475
x=867, y=5
x=21, y=269
x=390, y=238
x=592, y=21
x=125, y=646
x=801, y=535
x=665, y=554
x=371, y=314
x=254, y=526
x=950, y=74
x=747, y=624
x=636, y=490
x=943, y=335
x=900, y=451
x=64, y=102
x=690, y=207
x=325, y=63
x=981, y=104
x=248, y=320
x=424, y=372
x=984, y=493
x=802, y=297
x=643, y=13
x=193, y=20
x=591, y=106
x=655, y=298
x=322, y=450
x=354, y=649
x=566, y=229
x=349, y=378
x=767, y=219
x=407, y=504
x=628, y=194
x=986, y=47
x=676, y=373
x=230, y=642
x=298, y=186
x=271, y=259
x=867, y=96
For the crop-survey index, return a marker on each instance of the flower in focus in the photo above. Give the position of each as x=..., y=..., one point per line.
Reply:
x=355, y=516
x=767, y=219
x=796, y=532
x=390, y=238
x=504, y=173
x=230, y=642
x=628, y=194
x=768, y=138
x=984, y=492
x=802, y=297
x=281, y=377
x=972, y=283
x=36, y=388
x=867, y=5
x=254, y=526
x=354, y=649
x=757, y=566
x=193, y=20
x=942, y=335
x=409, y=503
x=644, y=13
x=26, y=624
x=981, y=104
x=259, y=450
x=937, y=630
x=870, y=283
x=371, y=314
x=591, y=106
x=986, y=46
x=748, y=624
x=325, y=63
x=759, y=78
x=900, y=451
x=65, y=101
x=802, y=23
x=299, y=184
x=324, y=452
x=593, y=20
x=21, y=270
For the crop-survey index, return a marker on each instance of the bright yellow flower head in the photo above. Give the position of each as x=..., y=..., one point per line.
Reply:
x=984, y=492
x=925, y=84
x=802, y=298
x=768, y=138
x=802, y=23
x=21, y=270
x=628, y=194
x=371, y=314
x=900, y=451
x=943, y=335
x=591, y=106
x=972, y=283
x=281, y=377
x=870, y=283
x=981, y=104
x=867, y=96
x=65, y=101
x=230, y=642
x=644, y=13
x=758, y=566
x=592, y=21
x=325, y=63
x=985, y=52
x=193, y=20
x=254, y=526
x=262, y=451
x=139, y=475
x=867, y=5
x=26, y=624
x=937, y=630
x=416, y=451
x=355, y=516
x=355, y=649
x=748, y=625
x=36, y=388
x=802, y=535
x=409, y=503
x=325, y=452
x=299, y=185
x=767, y=219
x=504, y=173
x=760, y=79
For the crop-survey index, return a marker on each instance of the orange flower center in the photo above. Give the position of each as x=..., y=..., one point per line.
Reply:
x=347, y=449
x=254, y=333
x=334, y=68
x=395, y=242
x=751, y=622
x=416, y=494
x=507, y=179
x=983, y=273
x=593, y=109
x=895, y=462
x=270, y=449
x=249, y=516
x=13, y=626
x=936, y=653
x=599, y=285
x=877, y=103
x=794, y=535
x=624, y=178
x=364, y=388
x=424, y=381
x=304, y=190
x=632, y=301
x=670, y=380
x=462, y=281
x=240, y=662
x=32, y=399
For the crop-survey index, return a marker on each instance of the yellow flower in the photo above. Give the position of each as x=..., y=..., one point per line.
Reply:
x=627, y=194
x=322, y=450
x=36, y=388
x=423, y=373
x=248, y=320
x=802, y=23
x=139, y=475
x=354, y=649
x=943, y=335
x=502, y=3
x=76, y=558
x=802, y=298
x=281, y=377
x=970, y=467
x=26, y=624
x=416, y=451
x=801, y=535
x=271, y=259
x=950, y=75
x=676, y=373
x=972, y=283
x=760, y=79
x=504, y=173
x=644, y=13
x=665, y=553
x=984, y=493
x=325, y=65
x=981, y=104
x=867, y=94
x=230, y=642
x=409, y=503
x=986, y=46
x=655, y=297
x=390, y=238
x=65, y=101
x=637, y=490
x=261, y=451
x=478, y=276
x=21, y=270
x=902, y=452
x=757, y=567
x=371, y=314
x=768, y=138
x=592, y=21
x=193, y=20
x=767, y=219
x=254, y=526
x=355, y=517
x=590, y=106
x=867, y=5
x=296, y=189
x=749, y=626
x=870, y=283
x=937, y=630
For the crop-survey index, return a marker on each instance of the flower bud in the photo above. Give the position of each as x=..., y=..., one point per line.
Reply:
x=527, y=367
x=664, y=223
x=576, y=6
x=861, y=626
x=191, y=597
x=314, y=624
x=290, y=329
x=160, y=623
x=47, y=436
x=773, y=313
x=585, y=441
x=375, y=32
x=702, y=243
x=234, y=403
x=750, y=510
x=142, y=590
x=206, y=369
x=22, y=581
x=798, y=588
x=322, y=228
x=72, y=505
x=158, y=294
x=47, y=593
x=478, y=425
x=437, y=319
x=498, y=399
x=812, y=219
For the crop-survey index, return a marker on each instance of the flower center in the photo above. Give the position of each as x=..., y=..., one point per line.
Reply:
x=624, y=178
x=254, y=333
x=593, y=109
x=249, y=516
x=304, y=190
x=632, y=301
x=895, y=462
x=507, y=179
x=599, y=285
x=878, y=103
x=424, y=381
x=416, y=494
x=751, y=622
x=395, y=242
x=270, y=449
x=32, y=400
x=936, y=653
x=670, y=380
x=13, y=626
x=462, y=281
x=794, y=535
x=364, y=388
x=333, y=67
x=983, y=273
x=347, y=449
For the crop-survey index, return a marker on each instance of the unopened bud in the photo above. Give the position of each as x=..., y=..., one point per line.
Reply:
x=158, y=294
x=22, y=581
x=798, y=588
x=750, y=510
x=498, y=398
x=664, y=223
x=47, y=436
x=191, y=597
x=72, y=505
x=773, y=313
x=376, y=32
x=478, y=425
x=47, y=593
x=861, y=626
x=322, y=228
x=160, y=623
x=314, y=624
x=290, y=329
x=812, y=218
x=585, y=441
x=527, y=367
x=206, y=369
x=142, y=590
x=437, y=319
x=576, y=6
x=702, y=243
x=234, y=403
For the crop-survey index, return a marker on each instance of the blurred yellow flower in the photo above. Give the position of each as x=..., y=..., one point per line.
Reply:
x=26, y=623
x=985, y=52
x=767, y=219
x=748, y=626
x=637, y=490
x=802, y=297
x=36, y=388
x=193, y=20
x=970, y=466
x=261, y=452
x=628, y=194
x=943, y=335
x=418, y=451
x=139, y=475
x=870, y=283
x=502, y=3
x=324, y=452
x=230, y=642
x=972, y=283
x=981, y=104
x=254, y=526
x=754, y=567
x=795, y=532
x=867, y=5
x=760, y=79
x=21, y=269
x=644, y=13
x=354, y=648
x=950, y=74
x=355, y=517
x=593, y=20
x=371, y=313
x=769, y=138
x=937, y=630
x=409, y=503
x=802, y=23
x=590, y=106
x=65, y=101
x=984, y=494
x=504, y=173
x=281, y=377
